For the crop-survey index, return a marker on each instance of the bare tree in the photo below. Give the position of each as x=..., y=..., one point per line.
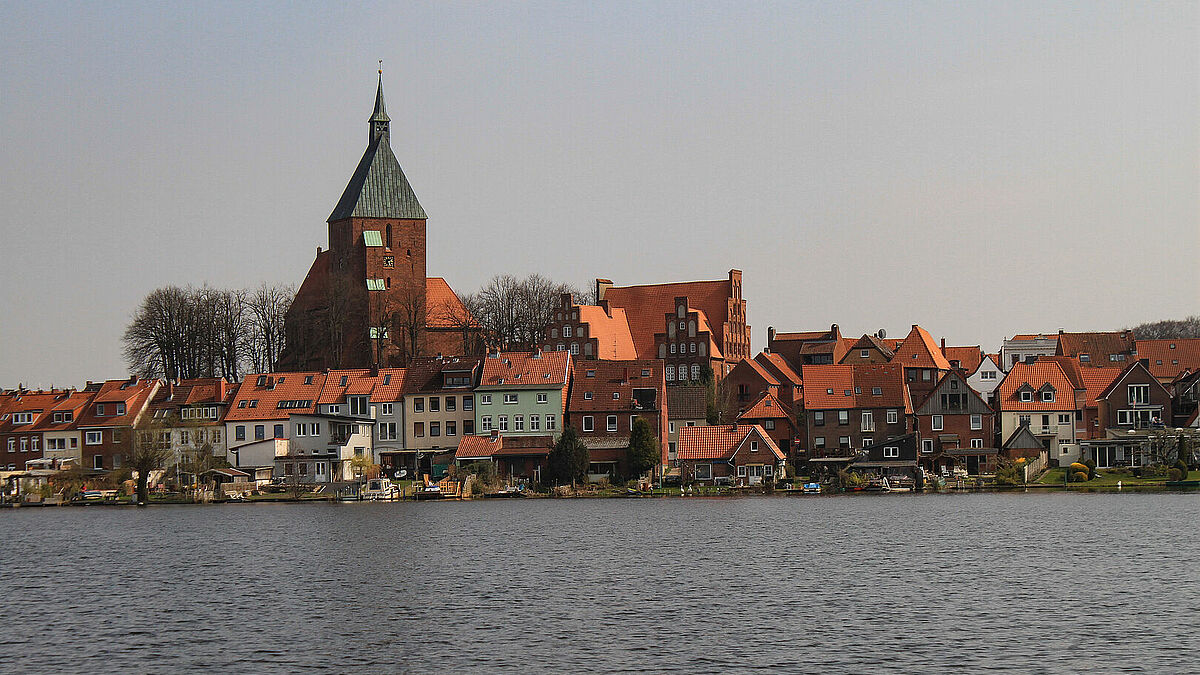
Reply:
x=1165, y=330
x=514, y=313
x=147, y=448
x=407, y=321
x=264, y=333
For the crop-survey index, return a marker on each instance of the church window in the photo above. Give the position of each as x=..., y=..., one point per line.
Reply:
x=388, y=230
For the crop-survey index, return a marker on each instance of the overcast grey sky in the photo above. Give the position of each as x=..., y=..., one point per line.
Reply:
x=979, y=168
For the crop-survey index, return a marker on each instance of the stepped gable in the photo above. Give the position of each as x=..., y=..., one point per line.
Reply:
x=646, y=307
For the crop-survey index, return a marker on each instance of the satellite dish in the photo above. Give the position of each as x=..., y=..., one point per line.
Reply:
x=881, y=334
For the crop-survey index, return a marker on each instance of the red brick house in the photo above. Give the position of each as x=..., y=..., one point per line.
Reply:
x=737, y=454
x=922, y=360
x=107, y=422
x=517, y=458
x=776, y=419
x=811, y=348
x=956, y=427
x=867, y=349
x=62, y=441
x=791, y=387
x=367, y=300
x=589, y=331
x=1167, y=359
x=712, y=314
x=606, y=397
x=851, y=407
x=23, y=415
x=749, y=380
x=1135, y=399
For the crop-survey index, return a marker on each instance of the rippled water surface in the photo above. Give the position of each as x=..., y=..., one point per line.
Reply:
x=915, y=583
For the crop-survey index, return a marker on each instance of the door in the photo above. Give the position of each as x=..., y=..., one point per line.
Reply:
x=321, y=475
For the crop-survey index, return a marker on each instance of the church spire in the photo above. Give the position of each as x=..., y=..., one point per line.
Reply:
x=379, y=118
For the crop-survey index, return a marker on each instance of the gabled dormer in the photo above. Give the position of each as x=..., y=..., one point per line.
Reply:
x=1047, y=393
x=1025, y=392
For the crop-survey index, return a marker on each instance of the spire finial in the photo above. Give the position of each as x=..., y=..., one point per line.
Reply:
x=379, y=117
x=381, y=67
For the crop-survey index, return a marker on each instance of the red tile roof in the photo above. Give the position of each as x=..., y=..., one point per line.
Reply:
x=766, y=407
x=526, y=369
x=134, y=394
x=759, y=370
x=871, y=342
x=75, y=402
x=1098, y=345
x=721, y=441
x=615, y=377
x=1096, y=380
x=484, y=447
x=613, y=339
x=779, y=367
x=826, y=386
x=425, y=374
x=919, y=350
x=1036, y=375
x=256, y=401
x=40, y=404
x=443, y=308
x=1168, y=358
x=968, y=358
x=646, y=308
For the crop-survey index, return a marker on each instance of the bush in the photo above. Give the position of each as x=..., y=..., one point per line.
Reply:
x=1090, y=464
x=1175, y=474
x=1155, y=471
x=1010, y=473
x=1183, y=468
x=1079, y=477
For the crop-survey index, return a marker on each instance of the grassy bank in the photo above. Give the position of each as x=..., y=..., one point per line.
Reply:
x=1109, y=478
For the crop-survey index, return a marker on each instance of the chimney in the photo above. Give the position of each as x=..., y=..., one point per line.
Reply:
x=770, y=335
x=170, y=390
x=537, y=352
x=318, y=250
x=602, y=286
x=943, y=345
x=495, y=433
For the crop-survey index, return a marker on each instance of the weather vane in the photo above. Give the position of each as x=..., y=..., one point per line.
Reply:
x=380, y=66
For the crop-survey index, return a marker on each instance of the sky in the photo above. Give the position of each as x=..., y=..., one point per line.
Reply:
x=980, y=168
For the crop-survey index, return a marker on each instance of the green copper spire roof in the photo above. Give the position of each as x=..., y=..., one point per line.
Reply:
x=378, y=188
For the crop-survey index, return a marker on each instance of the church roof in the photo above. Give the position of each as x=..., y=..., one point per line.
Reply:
x=378, y=188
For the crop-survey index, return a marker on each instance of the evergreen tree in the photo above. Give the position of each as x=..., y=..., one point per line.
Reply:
x=643, y=453
x=568, y=461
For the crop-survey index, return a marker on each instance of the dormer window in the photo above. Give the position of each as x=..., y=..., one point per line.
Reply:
x=308, y=379
x=341, y=382
x=262, y=380
x=1047, y=396
x=587, y=395
x=1085, y=358
x=616, y=395
x=1026, y=396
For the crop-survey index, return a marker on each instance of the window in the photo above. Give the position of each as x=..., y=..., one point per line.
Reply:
x=24, y=444
x=704, y=472
x=877, y=391
x=844, y=441
x=216, y=435
x=485, y=399
x=1026, y=396
x=535, y=423
x=239, y=433
x=386, y=409
x=93, y=438
x=485, y=423
x=518, y=423
x=891, y=451
x=769, y=425
x=503, y=422
x=671, y=427
x=976, y=422
x=1048, y=396
x=937, y=423
x=1084, y=358
x=418, y=405
x=468, y=427
x=435, y=404
x=987, y=375
x=566, y=331
x=819, y=442
x=183, y=438
x=543, y=398
x=612, y=422
x=843, y=417
x=419, y=429
x=1139, y=394
x=387, y=431
x=12, y=445
x=616, y=395
x=976, y=442
x=818, y=418
x=695, y=371
x=927, y=445
x=451, y=404
x=1064, y=418
x=120, y=409
x=22, y=418
x=510, y=399
x=589, y=424
x=260, y=432
x=587, y=395
x=670, y=373
x=435, y=429
x=98, y=461
x=278, y=431
x=868, y=421
x=1023, y=419
x=468, y=403
x=574, y=348
x=741, y=471
x=550, y=423
x=358, y=405
x=863, y=353
x=867, y=441
x=99, y=410
x=893, y=417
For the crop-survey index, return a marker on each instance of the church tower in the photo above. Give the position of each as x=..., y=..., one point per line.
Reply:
x=363, y=302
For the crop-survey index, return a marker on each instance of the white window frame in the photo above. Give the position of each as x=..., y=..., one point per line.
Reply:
x=589, y=423
x=88, y=437
x=976, y=443
x=893, y=417
x=611, y=423
x=976, y=422
x=937, y=423
x=891, y=451
x=868, y=421
x=543, y=398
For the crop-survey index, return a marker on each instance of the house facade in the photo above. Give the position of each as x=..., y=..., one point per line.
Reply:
x=729, y=454
x=847, y=408
x=686, y=407
x=956, y=427
x=1135, y=399
x=1039, y=395
x=107, y=423
x=523, y=393
x=1026, y=347
x=986, y=377
x=440, y=407
x=606, y=398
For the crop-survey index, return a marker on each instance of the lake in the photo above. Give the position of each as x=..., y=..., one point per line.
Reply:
x=1024, y=582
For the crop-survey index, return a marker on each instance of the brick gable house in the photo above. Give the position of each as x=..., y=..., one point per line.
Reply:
x=956, y=427
x=739, y=454
x=923, y=361
x=23, y=417
x=851, y=407
x=367, y=301
x=107, y=423
x=1135, y=399
x=810, y=348
x=776, y=419
x=606, y=398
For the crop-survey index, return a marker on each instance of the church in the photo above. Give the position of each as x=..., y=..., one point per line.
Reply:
x=366, y=302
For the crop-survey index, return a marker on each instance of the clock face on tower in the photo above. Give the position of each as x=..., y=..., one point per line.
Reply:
x=389, y=261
